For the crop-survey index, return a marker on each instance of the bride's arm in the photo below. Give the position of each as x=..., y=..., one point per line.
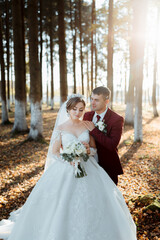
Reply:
x=93, y=149
x=57, y=145
x=92, y=142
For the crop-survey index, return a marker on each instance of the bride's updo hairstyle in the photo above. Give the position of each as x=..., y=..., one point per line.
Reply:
x=73, y=100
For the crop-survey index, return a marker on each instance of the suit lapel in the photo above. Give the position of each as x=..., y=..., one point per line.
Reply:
x=91, y=115
x=107, y=115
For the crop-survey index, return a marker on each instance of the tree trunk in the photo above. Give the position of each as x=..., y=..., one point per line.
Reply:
x=139, y=11
x=74, y=48
x=47, y=93
x=88, y=89
x=62, y=52
x=154, y=95
x=51, y=56
x=73, y=24
x=3, y=84
x=20, y=124
x=81, y=50
x=95, y=52
x=35, y=88
x=129, y=114
x=8, y=54
x=110, y=50
x=92, y=42
x=96, y=64
x=12, y=73
x=41, y=47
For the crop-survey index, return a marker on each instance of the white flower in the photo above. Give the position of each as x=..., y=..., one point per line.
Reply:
x=76, y=152
x=101, y=128
x=75, y=147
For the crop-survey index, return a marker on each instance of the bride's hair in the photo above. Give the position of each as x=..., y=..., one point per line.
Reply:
x=72, y=102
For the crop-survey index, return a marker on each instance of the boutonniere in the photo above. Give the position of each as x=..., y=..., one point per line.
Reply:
x=102, y=126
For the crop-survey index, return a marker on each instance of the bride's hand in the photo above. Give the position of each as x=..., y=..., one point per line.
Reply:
x=87, y=147
x=72, y=163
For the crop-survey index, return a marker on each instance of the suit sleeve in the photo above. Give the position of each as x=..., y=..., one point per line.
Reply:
x=110, y=142
x=85, y=116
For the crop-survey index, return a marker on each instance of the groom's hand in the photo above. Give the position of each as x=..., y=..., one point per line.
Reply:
x=89, y=125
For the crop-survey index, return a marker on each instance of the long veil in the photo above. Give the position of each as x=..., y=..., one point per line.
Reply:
x=6, y=225
x=62, y=117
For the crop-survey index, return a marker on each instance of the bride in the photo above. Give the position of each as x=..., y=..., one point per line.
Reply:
x=66, y=204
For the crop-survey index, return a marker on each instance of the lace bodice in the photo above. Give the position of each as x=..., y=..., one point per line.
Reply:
x=69, y=137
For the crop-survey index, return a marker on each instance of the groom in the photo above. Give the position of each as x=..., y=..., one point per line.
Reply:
x=106, y=142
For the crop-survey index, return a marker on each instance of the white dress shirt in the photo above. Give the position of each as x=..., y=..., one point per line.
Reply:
x=94, y=120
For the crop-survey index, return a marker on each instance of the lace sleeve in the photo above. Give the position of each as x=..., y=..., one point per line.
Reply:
x=54, y=149
x=93, y=153
x=56, y=136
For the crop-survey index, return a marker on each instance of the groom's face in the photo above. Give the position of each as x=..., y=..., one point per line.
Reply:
x=98, y=102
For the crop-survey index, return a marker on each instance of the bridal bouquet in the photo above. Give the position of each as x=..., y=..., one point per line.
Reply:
x=76, y=152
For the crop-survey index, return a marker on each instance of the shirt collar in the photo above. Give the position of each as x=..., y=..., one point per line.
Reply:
x=102, y=114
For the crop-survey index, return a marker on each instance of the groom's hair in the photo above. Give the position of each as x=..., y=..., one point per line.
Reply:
x=102, y=91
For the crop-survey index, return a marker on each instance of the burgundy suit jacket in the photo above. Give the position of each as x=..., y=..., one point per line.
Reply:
x=107, y=144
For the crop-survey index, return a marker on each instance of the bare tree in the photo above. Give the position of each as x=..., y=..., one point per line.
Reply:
x=92, y=41
x=41, y=43
x=36, y=128
x=154, y=101
x=139, y=15
x=8, y=53
x=110, y=50
x=3, y=84
x=62, y=51
x=51, y=53
x=20, y=124
x=81, y=43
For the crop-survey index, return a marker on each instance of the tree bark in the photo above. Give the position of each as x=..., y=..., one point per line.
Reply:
x=3, y=84
x=8, y=54
x=139, y=11
x=81, y=45
x=110, y=50
x=73, y=24
x=41, y=47
x=154, y=101
x=62, y=52
x=36, y=128
x=88, y=88
x=129, y=114
x=20, y=124
x=51, y=56
x=92, y=41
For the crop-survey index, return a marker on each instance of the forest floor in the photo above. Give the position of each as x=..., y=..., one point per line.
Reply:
x=22, y=164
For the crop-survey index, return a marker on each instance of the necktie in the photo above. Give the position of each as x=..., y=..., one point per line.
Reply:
x=98, y=118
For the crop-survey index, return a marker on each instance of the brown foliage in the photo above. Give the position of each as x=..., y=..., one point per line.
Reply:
x=22, y=163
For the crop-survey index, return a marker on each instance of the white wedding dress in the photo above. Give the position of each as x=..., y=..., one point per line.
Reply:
x=63, y=207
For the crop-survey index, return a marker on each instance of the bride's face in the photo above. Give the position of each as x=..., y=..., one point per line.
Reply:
x=77, y=111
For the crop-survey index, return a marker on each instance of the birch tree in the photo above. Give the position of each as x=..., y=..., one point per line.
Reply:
x=20, y=124
x=110, y=50
x=36, y=126
x=3, y=84
x=62, y=51
x=139, y=15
